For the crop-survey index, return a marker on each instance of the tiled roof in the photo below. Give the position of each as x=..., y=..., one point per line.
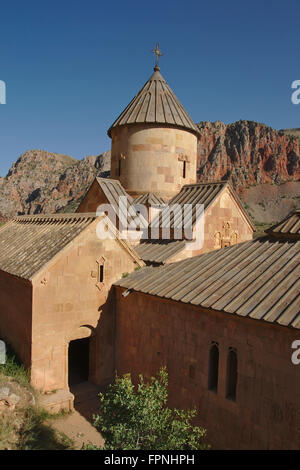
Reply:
x=155, y=103
x=198, y=193
x=150, y=199
x=289, y=227
x=159, y=251
x=27, y=243
x=259, y=279
x=113, y=190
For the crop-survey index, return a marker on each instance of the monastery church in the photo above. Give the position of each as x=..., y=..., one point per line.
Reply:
x=221, y=316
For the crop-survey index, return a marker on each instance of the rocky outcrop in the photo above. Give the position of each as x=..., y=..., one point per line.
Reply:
x=247, y=153
x=41, y=181
x=262, y=164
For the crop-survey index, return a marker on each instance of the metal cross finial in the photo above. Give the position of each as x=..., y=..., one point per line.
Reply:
x=158, y=54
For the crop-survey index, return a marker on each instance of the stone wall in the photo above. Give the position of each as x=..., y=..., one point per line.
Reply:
x=152, y=332
x=70, y=303
x=224, y=225
x=151, y=159
x=15, y=314
x=93, y=198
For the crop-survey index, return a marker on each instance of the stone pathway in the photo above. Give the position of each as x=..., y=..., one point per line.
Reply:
x=79, y=429
x=78, y=425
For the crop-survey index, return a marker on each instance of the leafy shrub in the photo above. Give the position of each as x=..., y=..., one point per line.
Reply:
x=138, y=419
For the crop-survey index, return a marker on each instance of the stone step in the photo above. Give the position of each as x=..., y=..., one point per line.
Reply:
x=57, y=401
x=85, y=391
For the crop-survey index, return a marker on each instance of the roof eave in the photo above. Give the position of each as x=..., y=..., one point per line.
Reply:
x=195, y=131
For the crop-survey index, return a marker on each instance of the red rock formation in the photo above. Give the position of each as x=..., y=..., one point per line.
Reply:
x=2, y=218
x=247, y=153
x=41, y=182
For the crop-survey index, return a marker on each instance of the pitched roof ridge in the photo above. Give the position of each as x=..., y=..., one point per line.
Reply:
x=259, y=275
x=288, y=227
x=137, y=111
x=69, y=216
x=208, y=183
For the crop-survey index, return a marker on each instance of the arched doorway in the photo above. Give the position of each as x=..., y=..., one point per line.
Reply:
x=78, y=361
x=81, y=348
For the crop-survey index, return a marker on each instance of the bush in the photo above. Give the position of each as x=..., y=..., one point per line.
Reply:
x=36, y=434
x=14, y=368
x=140, y=420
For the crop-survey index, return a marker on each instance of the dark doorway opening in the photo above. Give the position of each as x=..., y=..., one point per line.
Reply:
x=79, y=352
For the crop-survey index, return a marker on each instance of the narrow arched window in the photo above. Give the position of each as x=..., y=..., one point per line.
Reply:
x=213, y=367
x=227, y=229
x=231, y=379
x=184, y=169
x=217, y=239
x=101, y=272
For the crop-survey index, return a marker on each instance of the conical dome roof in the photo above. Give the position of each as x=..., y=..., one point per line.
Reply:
x=155, y=103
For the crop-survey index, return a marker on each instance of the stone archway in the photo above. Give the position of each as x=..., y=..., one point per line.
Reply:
x=81, y=351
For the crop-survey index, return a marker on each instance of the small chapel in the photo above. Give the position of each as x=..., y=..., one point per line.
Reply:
x=77, y=308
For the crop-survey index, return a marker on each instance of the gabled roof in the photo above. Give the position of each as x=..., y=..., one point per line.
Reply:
x=113, y=190
x=155, y=103
x=159, y=251
x=28, y=243
x=259, y=279
x=198, y=193
x=289, y=227
x=150, y=199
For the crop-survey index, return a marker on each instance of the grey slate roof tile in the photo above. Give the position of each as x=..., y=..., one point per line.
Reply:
x=28, y=242
x=198, y=193
x=159, y=251
x=150, y=199
x=288, y=227
x=259, y=279
x=113, y=190
x=155, y=103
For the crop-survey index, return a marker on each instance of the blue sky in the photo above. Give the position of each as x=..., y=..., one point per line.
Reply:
x=70, y=67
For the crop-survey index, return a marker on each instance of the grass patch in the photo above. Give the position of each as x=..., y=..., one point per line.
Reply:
x=36, y=434
x=260, y=228
x=14, y=368
x=7, y=432
x=26, y=427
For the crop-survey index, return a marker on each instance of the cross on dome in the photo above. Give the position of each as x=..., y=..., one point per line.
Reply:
x=158, y=54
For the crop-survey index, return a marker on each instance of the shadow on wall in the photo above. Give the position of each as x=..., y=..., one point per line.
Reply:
x=92, y=362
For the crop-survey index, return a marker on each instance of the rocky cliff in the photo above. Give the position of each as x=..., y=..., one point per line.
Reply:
x=41, y=181
x=263, y=165
x=247, y=153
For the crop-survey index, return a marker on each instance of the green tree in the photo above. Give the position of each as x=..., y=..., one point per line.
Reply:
x=134, y=419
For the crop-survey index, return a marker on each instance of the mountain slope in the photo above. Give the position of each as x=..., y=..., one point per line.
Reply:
x=293, y=131
x=247, y=153
x=42, y=182
x=263, y=165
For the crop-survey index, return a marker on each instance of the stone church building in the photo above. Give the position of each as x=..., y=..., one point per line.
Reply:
x=224, y=323
x=221, y=315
